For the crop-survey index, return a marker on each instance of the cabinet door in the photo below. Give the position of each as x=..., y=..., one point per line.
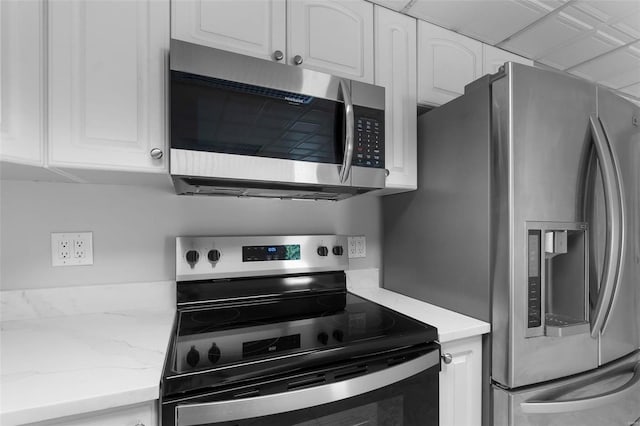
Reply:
x=250, y=27
x=461, y=383
x=395, y=69
x=332, y=36
x=22, y=81
x=107, y=66
x=447, y=62
x=494, y=58
x=134, y=415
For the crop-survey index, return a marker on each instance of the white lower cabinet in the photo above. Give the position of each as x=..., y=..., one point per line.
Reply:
x=145, y=414
x=461, y=383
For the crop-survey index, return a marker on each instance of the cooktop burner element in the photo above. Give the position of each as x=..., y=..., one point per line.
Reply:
x=268, y=307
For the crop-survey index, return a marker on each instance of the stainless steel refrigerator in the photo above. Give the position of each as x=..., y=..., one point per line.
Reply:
x=527, y=216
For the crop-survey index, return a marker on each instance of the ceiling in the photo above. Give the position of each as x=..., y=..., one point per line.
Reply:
x=598, y=40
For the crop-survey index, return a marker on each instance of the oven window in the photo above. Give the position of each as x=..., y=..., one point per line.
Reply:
x=386, y=412
x=209, y=114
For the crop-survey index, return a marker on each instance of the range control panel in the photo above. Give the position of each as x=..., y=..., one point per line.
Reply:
x=199, y=258
x=369, y=139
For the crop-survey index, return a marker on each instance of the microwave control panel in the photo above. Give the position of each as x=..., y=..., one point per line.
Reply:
x=369, y=138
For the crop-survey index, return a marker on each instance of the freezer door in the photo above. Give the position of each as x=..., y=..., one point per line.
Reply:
x=607, y=396
x=618, y=306
x=541, y=142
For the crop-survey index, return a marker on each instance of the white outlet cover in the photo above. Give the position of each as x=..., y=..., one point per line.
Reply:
x=357, y=246
x=71, y=248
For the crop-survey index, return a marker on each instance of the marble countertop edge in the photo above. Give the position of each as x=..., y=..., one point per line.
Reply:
x=76, y=407
x=451, y=325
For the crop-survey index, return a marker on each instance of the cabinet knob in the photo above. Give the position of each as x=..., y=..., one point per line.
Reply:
x=297, y=59
x=139, y=423
x=447, y=358
x=386, y=172
x=156, y=153
x=278, y=55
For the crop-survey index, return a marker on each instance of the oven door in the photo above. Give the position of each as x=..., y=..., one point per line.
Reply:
x=403, y=394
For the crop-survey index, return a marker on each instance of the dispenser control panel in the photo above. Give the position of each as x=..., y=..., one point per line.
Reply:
x=534, y=298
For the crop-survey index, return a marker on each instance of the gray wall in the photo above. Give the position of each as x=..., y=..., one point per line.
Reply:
x=134, y=228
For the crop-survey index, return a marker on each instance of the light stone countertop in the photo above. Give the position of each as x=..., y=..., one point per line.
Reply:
x=70, y=351
x=62, y=361
x=451, y=325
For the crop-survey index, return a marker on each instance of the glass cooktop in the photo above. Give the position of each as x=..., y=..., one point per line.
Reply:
x=222, y=336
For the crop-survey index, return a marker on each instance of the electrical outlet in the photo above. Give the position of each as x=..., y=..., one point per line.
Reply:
x=357, y=246
x=64, y=248
x=72, y=248
x=79, y=251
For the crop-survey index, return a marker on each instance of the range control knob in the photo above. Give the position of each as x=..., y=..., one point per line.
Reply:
x=193, y=356
x=338, y=250
x=214, y=353
x=323, y=338
x=338, y=335
x=323, y=251
x=192, y=257
x=214, y=255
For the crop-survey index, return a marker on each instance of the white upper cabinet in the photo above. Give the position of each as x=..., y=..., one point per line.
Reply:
x=250, y=27
x=395, y=70
x=331, y=36
x=494, y=58
x=447, y=62
x=22, y=82
x=107, y=78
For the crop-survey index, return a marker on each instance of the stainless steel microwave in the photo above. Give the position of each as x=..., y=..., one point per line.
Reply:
x=243, y=126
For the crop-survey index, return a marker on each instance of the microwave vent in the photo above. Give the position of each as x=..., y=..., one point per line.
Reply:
x=233, y=188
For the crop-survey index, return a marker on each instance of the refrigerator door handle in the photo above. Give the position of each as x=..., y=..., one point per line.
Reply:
x=555, y=407
x=614, y=206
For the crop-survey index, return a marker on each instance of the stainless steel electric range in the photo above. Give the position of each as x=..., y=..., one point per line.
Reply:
x=267, y=334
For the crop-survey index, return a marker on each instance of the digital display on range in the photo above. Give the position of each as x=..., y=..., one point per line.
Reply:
x=266, y=253
x=270, y=346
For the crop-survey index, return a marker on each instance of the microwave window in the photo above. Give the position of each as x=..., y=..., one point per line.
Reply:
x=209, y=114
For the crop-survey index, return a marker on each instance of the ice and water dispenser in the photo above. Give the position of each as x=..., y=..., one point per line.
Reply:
x=557, y=279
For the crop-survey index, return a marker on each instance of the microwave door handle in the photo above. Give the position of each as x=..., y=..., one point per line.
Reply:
x=580, y=404
x=614, y=207
x=348, y=140
x=246, y=408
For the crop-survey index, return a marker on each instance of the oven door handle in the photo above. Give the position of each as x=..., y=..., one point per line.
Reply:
x=246, y=408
